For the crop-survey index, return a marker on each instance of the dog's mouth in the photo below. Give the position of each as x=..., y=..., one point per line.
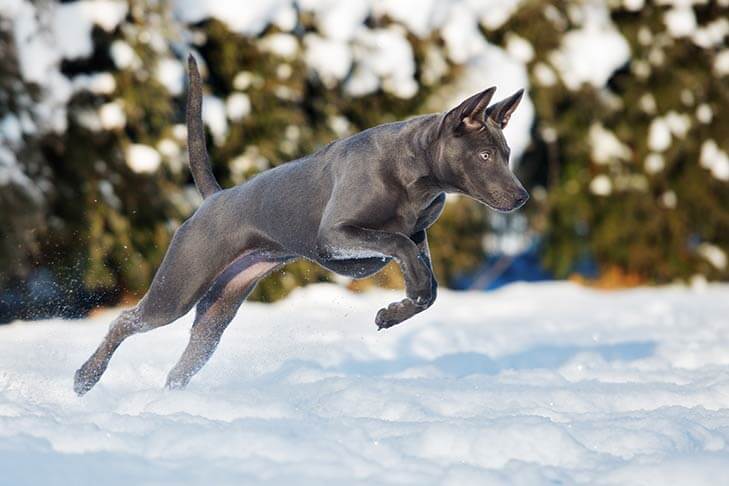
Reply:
x=503, y=206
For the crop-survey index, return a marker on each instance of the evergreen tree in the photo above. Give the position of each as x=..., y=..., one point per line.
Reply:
x=627, y=161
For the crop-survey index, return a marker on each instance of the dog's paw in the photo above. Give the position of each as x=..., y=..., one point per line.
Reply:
x=85, y=379
x=397, y=312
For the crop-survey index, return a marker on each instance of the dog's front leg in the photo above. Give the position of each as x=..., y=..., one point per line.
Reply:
x=350, y=240
x=421, y=239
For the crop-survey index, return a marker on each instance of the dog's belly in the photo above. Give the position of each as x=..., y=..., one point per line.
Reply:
x=356, y=267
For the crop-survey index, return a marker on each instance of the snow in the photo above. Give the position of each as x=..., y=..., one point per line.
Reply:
x=576, y=60
x=246, y=18
x=544, y=74
x=601, y=185
x=72, y=24
x=98, y=83
x=88, y=118
x=713, y=254
x=659, y=135
x=249, y=160
x=342, y=49
x=714, y=159
x=362, y=81
x=606, y=147
x=654, y=163
x=648, y=103
x=11, y=173
x=421, y=17
x=340, y=125
x=10, y=130
x=336, y=19
x=285, y=18
x=45, y=34
x=124, y=56
x=330, y=59
x=244, y=80
x=39, y=60
x=461, y=34
x=285, y=46
x=142, y=159
x=680, y=21
x=171, y=74
x=721, y=63
x=169, y=148
x=531, y=384
x=213, y=113
x=711, y=34
x=634, y=5
x=238, y=106
x=385, y=54
x=519, y=48
x=112, y=116
x=704, y=113
x=494, y=13
x=678, y=123
x=669, y=199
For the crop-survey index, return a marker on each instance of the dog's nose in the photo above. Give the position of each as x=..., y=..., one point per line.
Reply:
x=521, y=199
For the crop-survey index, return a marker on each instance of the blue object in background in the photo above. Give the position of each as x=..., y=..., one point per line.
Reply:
x=499, y=270
x=502, y=269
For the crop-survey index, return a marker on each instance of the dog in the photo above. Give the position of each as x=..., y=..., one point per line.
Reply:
x=351, y=207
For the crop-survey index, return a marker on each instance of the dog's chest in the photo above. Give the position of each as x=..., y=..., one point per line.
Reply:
x=430, y=214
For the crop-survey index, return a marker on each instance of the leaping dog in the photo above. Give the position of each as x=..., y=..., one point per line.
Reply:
x=351, y=207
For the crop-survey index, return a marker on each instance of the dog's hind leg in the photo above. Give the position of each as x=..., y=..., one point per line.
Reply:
x=215, y=311
x=183, y=277
x=127, y=323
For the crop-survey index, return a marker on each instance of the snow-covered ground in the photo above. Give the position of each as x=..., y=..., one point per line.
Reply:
x=531, y=384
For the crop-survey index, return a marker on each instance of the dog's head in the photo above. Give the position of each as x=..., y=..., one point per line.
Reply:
x=473, y=154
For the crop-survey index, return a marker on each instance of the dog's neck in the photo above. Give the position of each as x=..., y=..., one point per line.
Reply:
x=427, y=179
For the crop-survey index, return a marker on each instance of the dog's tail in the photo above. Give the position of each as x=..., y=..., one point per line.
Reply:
x=200, y=167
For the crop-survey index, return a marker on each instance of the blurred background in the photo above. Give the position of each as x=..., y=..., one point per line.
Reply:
x=622, y=139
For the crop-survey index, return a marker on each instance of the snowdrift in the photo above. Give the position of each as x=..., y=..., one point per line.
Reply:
x=530, y=384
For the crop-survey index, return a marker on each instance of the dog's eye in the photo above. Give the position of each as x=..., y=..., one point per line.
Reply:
x=485, y=155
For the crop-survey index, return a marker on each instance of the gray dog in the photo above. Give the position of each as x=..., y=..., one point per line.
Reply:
x=351, y=207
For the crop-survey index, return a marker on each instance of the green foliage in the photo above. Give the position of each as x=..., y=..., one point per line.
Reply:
x=22, y=206
x=101, y=222
x=653, y=221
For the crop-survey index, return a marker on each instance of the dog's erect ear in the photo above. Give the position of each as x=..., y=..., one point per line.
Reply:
x=501, y=112
x=470, y=115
